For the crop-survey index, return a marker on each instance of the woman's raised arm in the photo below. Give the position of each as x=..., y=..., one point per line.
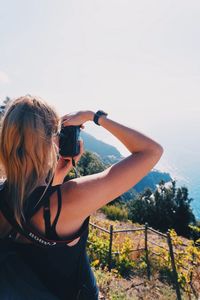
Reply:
x=91, y=192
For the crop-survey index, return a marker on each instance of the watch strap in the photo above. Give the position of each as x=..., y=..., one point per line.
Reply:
x=97, y=115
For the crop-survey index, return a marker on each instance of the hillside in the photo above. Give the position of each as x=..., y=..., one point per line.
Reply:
x=136, y=286
x=108, y=153
x=151, y=180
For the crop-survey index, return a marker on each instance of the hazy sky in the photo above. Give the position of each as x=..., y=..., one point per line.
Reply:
x=137, y=60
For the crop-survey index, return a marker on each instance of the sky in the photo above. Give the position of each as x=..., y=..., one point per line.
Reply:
x=137, y=60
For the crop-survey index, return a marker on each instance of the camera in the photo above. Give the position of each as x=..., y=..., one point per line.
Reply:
x=69, y=141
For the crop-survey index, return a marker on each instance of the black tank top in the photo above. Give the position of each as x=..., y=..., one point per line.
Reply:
x=60, y=269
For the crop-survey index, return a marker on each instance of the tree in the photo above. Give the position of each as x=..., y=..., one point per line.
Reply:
x=163, y=209
x=183, y=214
x=89, y=164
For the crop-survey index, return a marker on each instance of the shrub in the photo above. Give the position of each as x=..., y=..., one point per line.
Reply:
x=98, y=246
x=123, y=258
x=114, y=212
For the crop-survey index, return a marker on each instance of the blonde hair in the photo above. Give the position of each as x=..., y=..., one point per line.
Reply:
x=27, y=150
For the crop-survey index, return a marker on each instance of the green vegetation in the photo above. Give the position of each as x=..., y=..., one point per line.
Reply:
x=98, y=248
x=129, y=265
x=114, y=212
x=114, y=288
x=195, y=232
x=163, y=209
x=109, y=285
x=90, y=163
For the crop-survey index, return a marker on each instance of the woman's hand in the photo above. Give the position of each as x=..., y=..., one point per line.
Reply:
x=64, y=166
x=77, y=118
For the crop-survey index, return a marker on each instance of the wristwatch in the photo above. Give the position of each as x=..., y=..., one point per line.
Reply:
x=98, y=114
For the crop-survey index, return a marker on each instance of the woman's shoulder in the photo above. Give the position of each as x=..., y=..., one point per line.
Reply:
x=68, y=224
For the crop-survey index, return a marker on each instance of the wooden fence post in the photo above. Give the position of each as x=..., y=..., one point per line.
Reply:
x=146, y=252
x=175, y=276
x=110, y=249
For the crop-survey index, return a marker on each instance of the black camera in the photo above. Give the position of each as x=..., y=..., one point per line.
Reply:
x=69, y=141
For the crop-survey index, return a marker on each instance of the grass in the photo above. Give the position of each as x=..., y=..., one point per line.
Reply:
x=113, y=287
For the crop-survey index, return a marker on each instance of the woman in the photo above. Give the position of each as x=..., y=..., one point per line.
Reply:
x=29, y=155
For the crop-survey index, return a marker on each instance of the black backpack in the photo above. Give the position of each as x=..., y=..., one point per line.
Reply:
x=15, y=285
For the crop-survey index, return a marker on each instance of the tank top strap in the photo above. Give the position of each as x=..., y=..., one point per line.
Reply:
x=37, y=199
x=50, y=229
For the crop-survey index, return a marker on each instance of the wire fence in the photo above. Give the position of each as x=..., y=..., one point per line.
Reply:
x=147, y=241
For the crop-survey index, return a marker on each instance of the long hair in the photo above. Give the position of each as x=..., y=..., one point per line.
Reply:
x=27, y=151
